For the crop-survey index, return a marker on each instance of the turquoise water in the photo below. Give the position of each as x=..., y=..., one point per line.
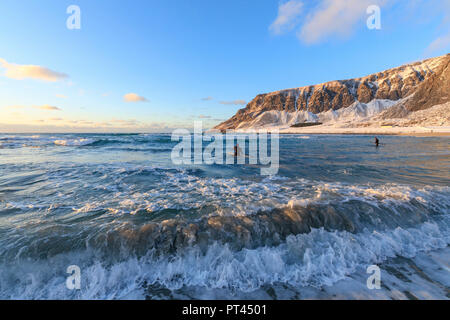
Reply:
x=139, y=226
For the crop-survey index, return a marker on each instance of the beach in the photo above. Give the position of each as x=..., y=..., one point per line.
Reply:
x=411, y=131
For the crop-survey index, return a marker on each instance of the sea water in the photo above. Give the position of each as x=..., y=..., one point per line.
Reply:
x=140, y=227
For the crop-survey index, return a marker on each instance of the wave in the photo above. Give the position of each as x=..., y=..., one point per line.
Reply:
x=319, y=258
x=151, y=150
x=263, y=228
x=185, y=209
x=137, y=230
x=304, y=242
x=74, y=142
x=92, y=142
x=104, y=142
x=19, y=141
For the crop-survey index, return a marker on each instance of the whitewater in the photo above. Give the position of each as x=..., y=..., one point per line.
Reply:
x=141, y=227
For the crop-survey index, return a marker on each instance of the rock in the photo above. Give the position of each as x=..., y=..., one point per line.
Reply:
x=434, y=90
x=426, y=82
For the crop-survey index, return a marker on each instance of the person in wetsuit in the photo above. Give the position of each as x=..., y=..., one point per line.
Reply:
x=377, y=142
x=236, y=150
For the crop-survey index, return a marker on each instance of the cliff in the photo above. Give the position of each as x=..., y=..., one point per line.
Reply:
x=414, y=86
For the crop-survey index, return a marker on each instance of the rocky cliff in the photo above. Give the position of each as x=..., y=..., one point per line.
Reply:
x=424, y=84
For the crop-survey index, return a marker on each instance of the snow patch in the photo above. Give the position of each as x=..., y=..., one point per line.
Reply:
x=356, y=112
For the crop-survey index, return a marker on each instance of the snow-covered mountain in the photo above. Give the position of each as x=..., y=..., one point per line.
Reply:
x=392, y=94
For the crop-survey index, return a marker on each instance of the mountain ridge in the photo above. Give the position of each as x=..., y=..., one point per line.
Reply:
x=416, y=86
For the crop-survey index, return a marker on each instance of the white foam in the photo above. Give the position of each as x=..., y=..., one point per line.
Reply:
x=234, y=196
x=74, y=142
x=317, y=259
x=320, y=258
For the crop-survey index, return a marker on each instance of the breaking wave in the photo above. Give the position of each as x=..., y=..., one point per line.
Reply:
x=140, y=227
x=21, y=141
x=315, y=259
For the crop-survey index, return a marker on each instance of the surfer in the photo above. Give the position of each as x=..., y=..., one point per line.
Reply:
x=236, y=150
x=377, y=142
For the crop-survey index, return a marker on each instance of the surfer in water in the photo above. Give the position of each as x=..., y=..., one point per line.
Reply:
x=377, y=142
x=236, y=150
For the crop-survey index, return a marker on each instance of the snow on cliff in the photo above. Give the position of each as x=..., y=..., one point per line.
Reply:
x=355, y=113
x=394, y=93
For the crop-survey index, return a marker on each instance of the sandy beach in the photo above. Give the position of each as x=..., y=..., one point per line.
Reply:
x=326, y=129
x=410, y=131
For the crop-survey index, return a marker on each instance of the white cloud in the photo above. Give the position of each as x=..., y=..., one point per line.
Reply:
x=20, y=72
x=85, y=126
x=207, y=99
x=438, y=44
x=325, y=19
x=335, y=18
x=234, y=102
x=47, y=107
x=133, y=97
x=41, y=107
x=288, y=17
x=441, y=43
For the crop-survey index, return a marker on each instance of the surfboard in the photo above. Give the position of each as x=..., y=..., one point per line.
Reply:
x=239, y=155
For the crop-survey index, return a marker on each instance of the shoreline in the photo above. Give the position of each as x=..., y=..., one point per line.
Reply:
x=395, y=131
x=419, y=131
x=435, y=134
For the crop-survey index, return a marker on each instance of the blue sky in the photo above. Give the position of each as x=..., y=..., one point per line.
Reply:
x=192, y=60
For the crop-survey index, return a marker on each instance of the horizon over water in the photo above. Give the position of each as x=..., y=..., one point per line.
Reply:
x=140, y=227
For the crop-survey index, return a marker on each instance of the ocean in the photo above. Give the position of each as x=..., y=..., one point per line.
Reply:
x=140, y=227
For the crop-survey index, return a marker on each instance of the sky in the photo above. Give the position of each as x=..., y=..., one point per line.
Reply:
x=157, y=65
